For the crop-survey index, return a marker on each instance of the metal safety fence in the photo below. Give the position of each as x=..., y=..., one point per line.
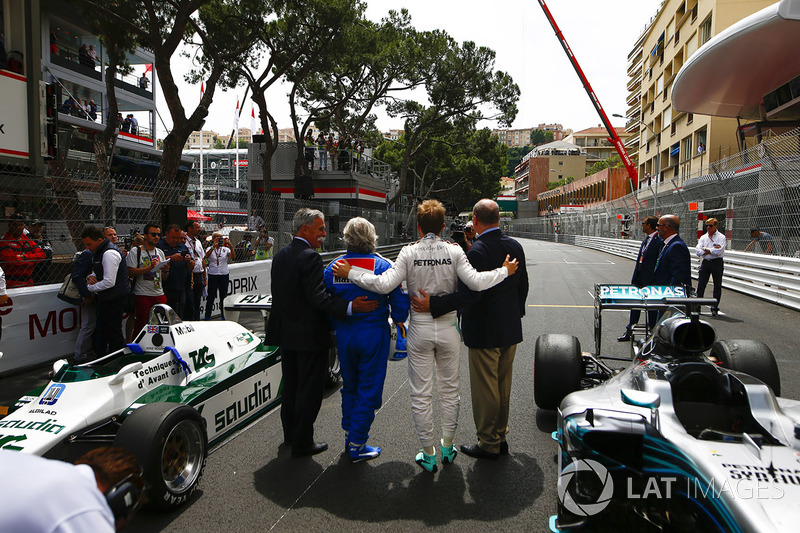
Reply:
x=754, y=194
x=65, y=204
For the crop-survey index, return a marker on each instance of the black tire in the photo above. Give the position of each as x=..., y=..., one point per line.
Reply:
x=751, y=357
x=557, y=369
x=170, y=442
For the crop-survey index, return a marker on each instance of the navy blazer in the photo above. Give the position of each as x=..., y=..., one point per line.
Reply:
x=490, y=318
x=300, y=300
x=673, y=265
x=643, y=273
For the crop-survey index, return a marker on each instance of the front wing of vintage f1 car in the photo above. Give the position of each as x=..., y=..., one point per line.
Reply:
x=676, y=441
x=178, y=390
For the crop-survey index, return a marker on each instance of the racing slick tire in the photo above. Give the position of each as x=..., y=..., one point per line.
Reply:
x=170, y=442
x=750, y=357
x=557, y=369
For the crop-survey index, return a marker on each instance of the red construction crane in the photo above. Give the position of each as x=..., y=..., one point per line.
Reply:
x=615, y=140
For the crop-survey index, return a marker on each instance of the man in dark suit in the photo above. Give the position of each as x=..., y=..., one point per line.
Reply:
x=298, y=324
x=491, y=323
x=643, y=271
x=673, y=264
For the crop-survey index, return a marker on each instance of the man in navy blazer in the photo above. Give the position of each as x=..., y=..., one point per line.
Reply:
x=298, y=324
x=491, y=323
x=643, y=271
x=673, y=264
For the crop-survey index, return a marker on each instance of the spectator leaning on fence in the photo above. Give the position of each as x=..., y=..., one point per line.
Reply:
x=19, y=254
x=763, y=239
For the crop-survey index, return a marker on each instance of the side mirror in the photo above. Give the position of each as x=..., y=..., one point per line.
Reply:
x=637, y=398
x=58, y=364
x=127, y=369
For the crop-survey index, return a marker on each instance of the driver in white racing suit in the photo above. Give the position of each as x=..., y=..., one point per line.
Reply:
x=435, y=266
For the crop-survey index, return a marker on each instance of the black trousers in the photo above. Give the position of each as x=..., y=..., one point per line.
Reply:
x=217, y=283
x=176, y=299
x=194, y=297
x=108, y=334
x=711, y=268
x=303, y=385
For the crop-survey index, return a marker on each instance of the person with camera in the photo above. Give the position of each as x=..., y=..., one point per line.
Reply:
x=180, y=267
x=264, y=244
x=143, y=264
x=217, y=256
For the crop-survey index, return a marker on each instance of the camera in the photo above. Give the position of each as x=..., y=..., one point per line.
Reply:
x=457, y=230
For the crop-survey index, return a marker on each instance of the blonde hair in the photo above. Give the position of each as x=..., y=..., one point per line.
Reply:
x=430, y=216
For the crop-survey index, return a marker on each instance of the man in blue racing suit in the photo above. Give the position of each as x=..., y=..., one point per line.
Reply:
x=362, y=340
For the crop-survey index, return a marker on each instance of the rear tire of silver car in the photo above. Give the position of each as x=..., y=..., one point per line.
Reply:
x=751, y=357
x=557, y=369
x=170, y=441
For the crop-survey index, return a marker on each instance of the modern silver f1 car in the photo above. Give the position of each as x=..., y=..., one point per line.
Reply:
x=690, y=436
x=179, y=388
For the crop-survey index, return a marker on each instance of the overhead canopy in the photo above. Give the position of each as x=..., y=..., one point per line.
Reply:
x=730, y=74
x=194, y=215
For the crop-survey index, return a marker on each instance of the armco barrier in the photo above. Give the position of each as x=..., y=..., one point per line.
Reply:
x=38, y=328
x=769, y=277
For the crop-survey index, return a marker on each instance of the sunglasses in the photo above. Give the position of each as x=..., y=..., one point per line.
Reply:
x=155, y=234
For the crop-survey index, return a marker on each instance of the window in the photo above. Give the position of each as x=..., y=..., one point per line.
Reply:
x=686, y=149
x=705, y=31
x=701, y=141
x=691, y=45
x=667, y=116
x=689, y=118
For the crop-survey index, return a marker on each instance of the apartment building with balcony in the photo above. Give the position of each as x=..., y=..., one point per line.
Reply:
x=671, y=145
x=517, y=138
x=548, y=162
x=594, y=141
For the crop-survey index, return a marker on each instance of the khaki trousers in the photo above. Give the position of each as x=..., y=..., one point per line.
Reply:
x=490, y=371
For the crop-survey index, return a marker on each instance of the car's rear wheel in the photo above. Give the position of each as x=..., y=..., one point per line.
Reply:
x=751, y=357
x=557, y=369
x=171, y=444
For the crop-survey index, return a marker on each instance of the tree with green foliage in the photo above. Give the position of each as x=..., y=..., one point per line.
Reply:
x=216, y=32
x=460, y=83
x=612, y=162
x=559, y=183
x=515, y=155
x=459, y=167
x=539, y=137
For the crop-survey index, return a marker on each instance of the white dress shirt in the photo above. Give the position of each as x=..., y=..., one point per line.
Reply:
x=715, y=244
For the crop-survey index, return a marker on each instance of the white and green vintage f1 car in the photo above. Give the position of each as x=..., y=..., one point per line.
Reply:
x=178, y=389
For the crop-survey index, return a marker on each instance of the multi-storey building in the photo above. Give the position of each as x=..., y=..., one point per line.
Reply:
x=672, y=144
x=594, y=141
x=201, y=139
x=548, y=162
x=517, y=138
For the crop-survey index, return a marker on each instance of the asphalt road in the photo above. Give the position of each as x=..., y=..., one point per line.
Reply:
x=252, y=485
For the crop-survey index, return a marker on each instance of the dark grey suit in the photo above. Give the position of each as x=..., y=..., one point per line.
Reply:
x=643, y=274
x=298, y=324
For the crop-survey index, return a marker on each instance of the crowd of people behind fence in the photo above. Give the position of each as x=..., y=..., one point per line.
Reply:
x=326, y=153
x=176, y=265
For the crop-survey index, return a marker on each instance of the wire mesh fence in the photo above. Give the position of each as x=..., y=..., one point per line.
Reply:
x=754, y=194
x=62, y=206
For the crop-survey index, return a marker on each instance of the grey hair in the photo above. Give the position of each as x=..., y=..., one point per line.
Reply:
x=305, y=217
x=359, y=236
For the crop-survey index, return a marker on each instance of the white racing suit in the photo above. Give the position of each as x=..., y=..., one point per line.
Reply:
x=434, y=266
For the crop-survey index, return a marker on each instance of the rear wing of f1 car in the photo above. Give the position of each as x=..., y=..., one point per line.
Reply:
x=626, y=297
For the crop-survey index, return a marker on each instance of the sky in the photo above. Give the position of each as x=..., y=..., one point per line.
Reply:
x=600, y=33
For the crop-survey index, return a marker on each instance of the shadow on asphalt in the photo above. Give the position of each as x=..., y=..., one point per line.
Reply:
x=398, y=491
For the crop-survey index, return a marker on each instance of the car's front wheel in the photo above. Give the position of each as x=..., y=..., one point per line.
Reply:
x=557, y=369
x=171, y=444
x=750, y=357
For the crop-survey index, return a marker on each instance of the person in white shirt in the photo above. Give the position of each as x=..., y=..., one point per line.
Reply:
x=99, y=493
x=711, y=249
x=143, y=267
x=434, y=266
x=217, y=256
x=197, y=282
